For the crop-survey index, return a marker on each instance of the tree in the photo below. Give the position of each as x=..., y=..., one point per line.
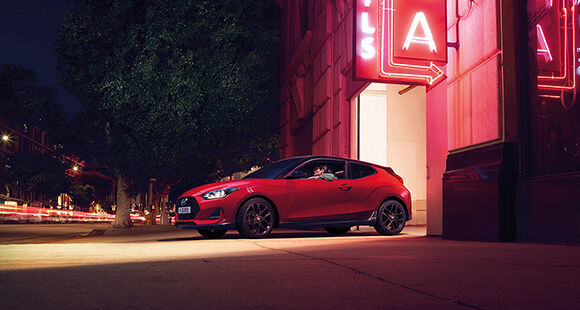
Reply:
x=23, y=101
x=33, y=172
x=178, y=90
x=81, y=194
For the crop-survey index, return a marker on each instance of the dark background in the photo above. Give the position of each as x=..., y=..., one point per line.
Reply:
x=28, y=30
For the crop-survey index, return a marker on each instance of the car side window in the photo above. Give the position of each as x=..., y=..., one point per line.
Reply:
x=336, y=168
x=359, y=171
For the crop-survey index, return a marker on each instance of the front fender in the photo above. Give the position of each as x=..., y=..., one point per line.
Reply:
x=280, y=196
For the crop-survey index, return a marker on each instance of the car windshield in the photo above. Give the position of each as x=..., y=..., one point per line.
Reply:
x=276, y=169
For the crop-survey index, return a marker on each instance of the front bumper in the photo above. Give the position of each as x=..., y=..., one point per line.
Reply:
x=203, y=214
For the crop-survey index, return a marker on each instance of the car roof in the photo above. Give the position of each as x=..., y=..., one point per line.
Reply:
x=309, y=157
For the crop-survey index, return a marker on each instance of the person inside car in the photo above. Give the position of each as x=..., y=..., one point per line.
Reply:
x=322, y=172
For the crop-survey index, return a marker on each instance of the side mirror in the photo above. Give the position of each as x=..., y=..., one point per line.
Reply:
x=297, y=174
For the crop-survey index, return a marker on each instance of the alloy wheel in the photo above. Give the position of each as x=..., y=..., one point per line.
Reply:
x=257, y=220
x=391, y=218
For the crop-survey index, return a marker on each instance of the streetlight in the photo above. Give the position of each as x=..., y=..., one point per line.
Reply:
x=75, y=168
x=5, y=138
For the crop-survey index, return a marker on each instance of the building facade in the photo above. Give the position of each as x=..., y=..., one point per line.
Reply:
x=492, y=152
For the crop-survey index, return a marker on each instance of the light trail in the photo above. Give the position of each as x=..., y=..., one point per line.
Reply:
x=9, y=213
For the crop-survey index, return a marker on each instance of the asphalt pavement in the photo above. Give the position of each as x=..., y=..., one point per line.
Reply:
x=162, y=267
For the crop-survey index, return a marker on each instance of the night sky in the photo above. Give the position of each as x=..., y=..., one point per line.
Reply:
x=28, y=31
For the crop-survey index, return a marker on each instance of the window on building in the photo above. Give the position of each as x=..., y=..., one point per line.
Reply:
x=554, y=111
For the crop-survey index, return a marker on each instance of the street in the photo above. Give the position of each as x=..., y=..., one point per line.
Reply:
x=163, y=267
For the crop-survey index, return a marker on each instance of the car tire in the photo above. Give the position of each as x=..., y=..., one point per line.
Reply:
x=255, y=218
x=391, y=218
x=212, y=233
x=338, y=231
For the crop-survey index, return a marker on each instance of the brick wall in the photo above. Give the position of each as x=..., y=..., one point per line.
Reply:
x=316, y=77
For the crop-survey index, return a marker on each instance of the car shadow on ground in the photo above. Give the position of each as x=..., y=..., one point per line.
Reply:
x=282, y=234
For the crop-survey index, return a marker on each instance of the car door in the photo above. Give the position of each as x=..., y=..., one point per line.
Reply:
x=320, y=199
x=363, y=182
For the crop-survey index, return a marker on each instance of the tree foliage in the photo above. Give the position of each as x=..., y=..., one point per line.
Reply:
x=174, y=89
x=81, y=194
x=23, y=101
x=34, y=172
x=25, y=104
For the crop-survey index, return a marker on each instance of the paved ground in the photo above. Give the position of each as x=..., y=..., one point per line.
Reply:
x=38, y=233
x=167, y=268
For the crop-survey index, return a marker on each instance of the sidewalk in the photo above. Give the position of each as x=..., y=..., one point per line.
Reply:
x=290, y=270
x=135, y=230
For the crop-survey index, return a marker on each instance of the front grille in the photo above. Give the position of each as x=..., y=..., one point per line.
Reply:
x=187, y=202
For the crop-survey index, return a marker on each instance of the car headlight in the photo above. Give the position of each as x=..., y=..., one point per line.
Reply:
x=220, y=193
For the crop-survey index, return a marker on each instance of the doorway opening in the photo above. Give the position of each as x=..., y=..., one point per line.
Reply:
x=391, y=131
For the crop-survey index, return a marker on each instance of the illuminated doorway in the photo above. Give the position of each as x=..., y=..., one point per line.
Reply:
x=391, y=131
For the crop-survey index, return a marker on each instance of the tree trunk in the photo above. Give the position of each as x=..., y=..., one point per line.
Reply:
x=122, y=216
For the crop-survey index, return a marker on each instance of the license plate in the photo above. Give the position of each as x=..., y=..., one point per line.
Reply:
x=182, y=210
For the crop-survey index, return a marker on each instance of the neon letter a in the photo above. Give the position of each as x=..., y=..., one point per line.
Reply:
x=543, y=48
x=427, y=39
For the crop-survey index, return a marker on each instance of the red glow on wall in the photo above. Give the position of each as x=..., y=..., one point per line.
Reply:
x=400, y=41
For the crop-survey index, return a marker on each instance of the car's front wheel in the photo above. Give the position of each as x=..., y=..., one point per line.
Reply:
x=255, y=218
x=391, y=218
x=212, y=233
x=337, y=230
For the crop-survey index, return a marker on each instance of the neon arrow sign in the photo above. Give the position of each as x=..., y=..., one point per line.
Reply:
x=412, y=38
x=419, y=69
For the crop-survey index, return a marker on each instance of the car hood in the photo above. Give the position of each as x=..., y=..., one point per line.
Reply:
x=215, y=186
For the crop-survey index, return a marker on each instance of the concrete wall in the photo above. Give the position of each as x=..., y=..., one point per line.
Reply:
x=474, y=94
x=406, y=144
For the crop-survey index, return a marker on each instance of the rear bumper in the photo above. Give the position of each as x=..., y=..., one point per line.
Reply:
x=220, y=226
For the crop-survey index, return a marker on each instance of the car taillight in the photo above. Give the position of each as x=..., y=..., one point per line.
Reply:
x=398, y=177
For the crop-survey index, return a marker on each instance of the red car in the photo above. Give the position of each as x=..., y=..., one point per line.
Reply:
x=299, y=192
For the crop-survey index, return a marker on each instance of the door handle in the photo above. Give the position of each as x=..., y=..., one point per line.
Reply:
x=345, y=187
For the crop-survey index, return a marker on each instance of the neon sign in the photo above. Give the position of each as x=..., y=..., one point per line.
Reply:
x=427, y=39
x=557, y=49
x=543, y=48
x=400, y=41
x=367, y=44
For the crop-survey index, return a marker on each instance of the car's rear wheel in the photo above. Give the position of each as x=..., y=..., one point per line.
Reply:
x=255, y=218
x=212, y=233
x=391, y=218
x=337, y=230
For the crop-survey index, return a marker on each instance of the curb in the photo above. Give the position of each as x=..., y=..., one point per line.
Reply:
x=132, y=230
